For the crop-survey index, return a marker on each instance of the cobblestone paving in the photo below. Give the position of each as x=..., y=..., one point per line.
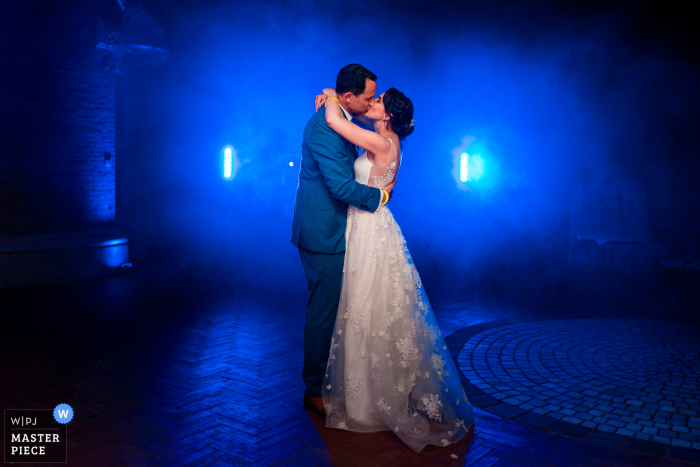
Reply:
x=635, y=378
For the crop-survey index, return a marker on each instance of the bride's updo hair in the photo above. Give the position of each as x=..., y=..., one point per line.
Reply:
x=400, y=110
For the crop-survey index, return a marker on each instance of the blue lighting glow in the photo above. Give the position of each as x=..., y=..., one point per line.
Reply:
x=477, y=167
x=116, y=241
x=115, y=255
x=470, y=167
x=229, y=162
x=463, y=167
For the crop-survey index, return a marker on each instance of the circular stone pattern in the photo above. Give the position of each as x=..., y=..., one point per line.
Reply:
x=632, y=377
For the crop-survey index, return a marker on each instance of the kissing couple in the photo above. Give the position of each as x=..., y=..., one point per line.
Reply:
x=374, y=356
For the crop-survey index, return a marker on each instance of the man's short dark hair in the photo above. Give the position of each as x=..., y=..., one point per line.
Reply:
x=353, y=78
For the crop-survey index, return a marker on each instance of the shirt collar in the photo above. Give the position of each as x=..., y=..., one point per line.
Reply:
x=347, y=115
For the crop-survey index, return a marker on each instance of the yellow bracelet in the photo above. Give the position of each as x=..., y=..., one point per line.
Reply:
x=328, y=100
x=386, y=198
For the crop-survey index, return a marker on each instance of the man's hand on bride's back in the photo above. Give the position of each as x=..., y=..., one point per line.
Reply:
x=390, y=189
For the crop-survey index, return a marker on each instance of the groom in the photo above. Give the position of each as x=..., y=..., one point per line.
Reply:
x=326, y=187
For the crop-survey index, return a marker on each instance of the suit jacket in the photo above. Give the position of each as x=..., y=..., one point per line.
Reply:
x=326, y=187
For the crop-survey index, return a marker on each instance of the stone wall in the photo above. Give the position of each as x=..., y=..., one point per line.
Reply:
x=57, y=146
x=57, y=103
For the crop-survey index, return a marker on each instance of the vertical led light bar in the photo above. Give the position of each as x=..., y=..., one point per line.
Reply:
x=228, y=163
x=463, y=159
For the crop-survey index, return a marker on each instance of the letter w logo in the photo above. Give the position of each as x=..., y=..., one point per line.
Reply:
x=63, y=414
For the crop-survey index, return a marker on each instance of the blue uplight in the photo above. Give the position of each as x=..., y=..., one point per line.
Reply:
x=229, y=162
x=463, y=167
x=470, y=167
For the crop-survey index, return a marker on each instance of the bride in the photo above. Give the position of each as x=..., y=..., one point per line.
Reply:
x=388, y=367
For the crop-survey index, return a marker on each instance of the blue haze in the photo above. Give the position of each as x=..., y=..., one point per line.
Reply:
x=550, y=105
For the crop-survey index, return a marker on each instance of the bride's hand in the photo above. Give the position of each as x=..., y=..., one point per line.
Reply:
x=319, y=101
x=322, y=98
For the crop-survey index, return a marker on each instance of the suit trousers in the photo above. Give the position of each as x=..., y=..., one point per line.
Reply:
x=324, y=277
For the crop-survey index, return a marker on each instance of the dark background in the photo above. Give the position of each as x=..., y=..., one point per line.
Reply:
x=555, y=94
x=194, y=353
x=558, y=96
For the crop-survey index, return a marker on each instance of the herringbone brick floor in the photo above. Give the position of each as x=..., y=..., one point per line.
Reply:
x=162, y=370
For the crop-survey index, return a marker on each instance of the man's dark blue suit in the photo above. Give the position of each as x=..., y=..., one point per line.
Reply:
x=326, y=187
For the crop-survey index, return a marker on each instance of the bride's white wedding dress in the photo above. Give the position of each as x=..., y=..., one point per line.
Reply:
x=389, y=367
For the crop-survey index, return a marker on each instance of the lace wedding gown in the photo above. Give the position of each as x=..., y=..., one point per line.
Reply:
x=389, y=367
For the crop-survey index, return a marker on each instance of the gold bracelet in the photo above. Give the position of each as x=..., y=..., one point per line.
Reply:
x=328, y=100
x=386, y=199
